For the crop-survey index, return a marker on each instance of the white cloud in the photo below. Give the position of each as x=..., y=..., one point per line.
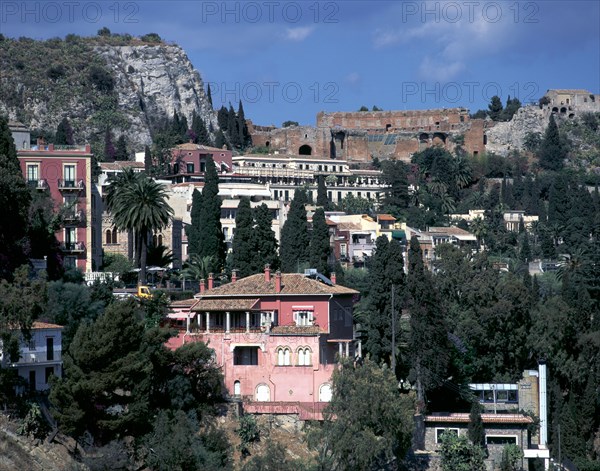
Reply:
x=299, y=34
x=434, y=71
x=353, y=78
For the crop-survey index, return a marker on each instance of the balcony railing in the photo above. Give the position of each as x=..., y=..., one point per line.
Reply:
x=28, y=357
x=75, y=185
x=73, y=247
x=38, y=184
x=74, y=216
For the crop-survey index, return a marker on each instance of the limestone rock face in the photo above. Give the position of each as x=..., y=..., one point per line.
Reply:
x=154, y=81
x=507, y=136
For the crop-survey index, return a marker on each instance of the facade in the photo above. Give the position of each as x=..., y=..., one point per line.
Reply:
x=40, y=357
x=276, y=337
x=189, y=160
x=66, y=173
x=434, y=236
x=570, y=103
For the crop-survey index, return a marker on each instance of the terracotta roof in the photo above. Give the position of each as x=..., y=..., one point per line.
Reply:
x=329, y=222
x=184, y=303
x=349, y=226
x=45, y=325
x=120, y=165
x=192, y=146
x=296, y=330
x=385, y=217
x=225, y=304
x=487, y=418
x=291, y=283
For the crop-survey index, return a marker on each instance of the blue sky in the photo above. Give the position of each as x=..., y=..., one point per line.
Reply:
x=290, y=60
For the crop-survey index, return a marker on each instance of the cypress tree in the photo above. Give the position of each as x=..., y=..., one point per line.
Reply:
x=495, y=108
x=476, y=430
x=209, y=96
x=223, y=118
x=244, y=136
x=220, y=140
x=552, y=151
x=109, y=148
x=295, y=240
x=193, y=231
x=428, y=341
x=211, y=241
x=64, y=133
x=15, y=200
x=232, y=128
x=121, y=149
x=265, y=242
x=322, y=199
x=147, y=159
x=243, y=239
x=320, y=247
x=199, y=130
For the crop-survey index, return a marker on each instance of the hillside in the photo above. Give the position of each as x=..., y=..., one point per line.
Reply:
x=130, y=85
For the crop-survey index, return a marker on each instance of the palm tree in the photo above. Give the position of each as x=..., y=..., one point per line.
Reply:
x=140, y=205
x=461, y=172
x=479, y=229
x=197, y=267
x=159, y=256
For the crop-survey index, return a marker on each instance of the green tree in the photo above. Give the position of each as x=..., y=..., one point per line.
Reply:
x=223, y=118
x=459, y=454
x=428, y=340
x=194, y=229
x=121, y=152
x=209, y=96
x=243, y=240
x=147, y=159
x=512, y=106
x=109, y=147
x=476, y=430
x=199, y=131
x=511, y=458
x=64, y=133
x=197, y=268
x=211, y=241
x=274, y=458
x=395, y=175
x=322, y=199
x=265, y=242
x=320, y=247
x=139, y=205
x=368, y=423
x=355, y=205
x=220, y=140
x=495, y=108
x=232, y=128
x=14, y=204
x=287, y=124
x=242, y=126
x=552, y=150
x=295, y=241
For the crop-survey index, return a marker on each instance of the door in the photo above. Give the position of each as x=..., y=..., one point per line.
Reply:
x=49, y=348
x=325, y=393
x=32, y=380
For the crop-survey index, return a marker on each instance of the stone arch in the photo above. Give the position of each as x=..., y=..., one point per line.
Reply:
x=571, y=115
x=268, y=144
x=555, y=110
x=439, y=139
x=305, y=150
x=563, y=110
x=424, y=137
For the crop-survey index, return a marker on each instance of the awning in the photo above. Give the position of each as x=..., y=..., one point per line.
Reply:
x=399, y=235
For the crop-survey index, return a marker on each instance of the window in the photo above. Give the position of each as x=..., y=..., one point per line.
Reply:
x=69, y=174
x=439, y=432
x=114, y=236
x=49, y=348
x=237, y=388
x=31, y=344
x=108, y=236
x=33, y=173
x=245, y=356
x=284, y=355
x=49, y=372
x=190, y=168
x=70, y=262
x=303, y=317
x=304, y=356
x=501, y=440
x=343, y=250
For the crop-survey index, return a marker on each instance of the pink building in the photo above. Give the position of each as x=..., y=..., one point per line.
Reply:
x=66, y=173
x=275, y=336
x=190, y=159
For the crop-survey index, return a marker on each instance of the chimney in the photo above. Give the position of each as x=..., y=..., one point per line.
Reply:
x=267, y=273
x=233, y=276
x=278, y=282
x=543, y=405
x=211, y=281
x=333, y=278
x=202, y=286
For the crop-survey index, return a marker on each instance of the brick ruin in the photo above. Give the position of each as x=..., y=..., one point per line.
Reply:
x=360, y=136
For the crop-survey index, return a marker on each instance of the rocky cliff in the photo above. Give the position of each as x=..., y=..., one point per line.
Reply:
x=125, y=84
x=510, y=135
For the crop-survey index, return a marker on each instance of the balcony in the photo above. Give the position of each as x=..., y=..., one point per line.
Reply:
x=38, y=184
x=70, y=185
x=74, y=216
x=72, y=247
x=38, y=356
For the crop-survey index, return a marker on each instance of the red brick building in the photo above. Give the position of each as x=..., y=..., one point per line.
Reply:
x=190, y=159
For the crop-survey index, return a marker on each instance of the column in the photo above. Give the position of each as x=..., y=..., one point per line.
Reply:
x=208, y=322
x=247, y=321
x=227, y=322
x=340, y=351
x=347, y=349
x=187, y=324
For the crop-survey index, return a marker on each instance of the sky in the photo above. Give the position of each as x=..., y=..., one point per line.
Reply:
x=288, y=60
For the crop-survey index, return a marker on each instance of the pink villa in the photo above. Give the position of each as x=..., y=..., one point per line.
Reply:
x=66, y=173
x=190, y=159
x=277, y=337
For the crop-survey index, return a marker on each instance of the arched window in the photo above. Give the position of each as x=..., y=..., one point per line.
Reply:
x=325, y=393
x=160, y=239
x=263, y=393
x=304, y=356
x=108, y=236
x=115, y=239
x=280, y=356
x=284, y=356
x=237, y=388
x=300, y=357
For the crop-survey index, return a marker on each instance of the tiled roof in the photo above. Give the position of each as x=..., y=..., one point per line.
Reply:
x=486, y=418
x=119, y=165
x=225, y=304
x=385, y=217
x=183, y=303
x=349, y=226
x=291, y=283
x=45, y=325
x=192, y=146
x=452, y=230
